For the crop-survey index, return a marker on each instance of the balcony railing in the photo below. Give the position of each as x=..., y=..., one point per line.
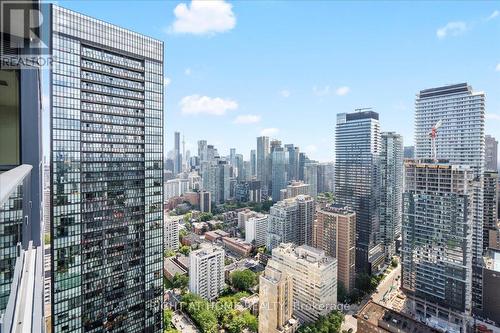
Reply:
x=21, y=302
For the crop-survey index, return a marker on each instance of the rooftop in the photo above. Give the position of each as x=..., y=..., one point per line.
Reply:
x=391, y=321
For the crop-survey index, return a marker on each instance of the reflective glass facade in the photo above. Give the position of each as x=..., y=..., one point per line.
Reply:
x=357, y=147
x=107, y=153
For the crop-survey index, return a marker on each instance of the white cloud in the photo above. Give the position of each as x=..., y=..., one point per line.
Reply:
x=216, y=106
x=321, y=91
x=203, y=17
x=497, y=68
x=269, y=131
x=493, y=15
x=285, y=93
x=342, y=91
x=452, y=29
x=327, y=90
x=166, y=81
x=188, y=71
x=247, y=119
x=493, y=116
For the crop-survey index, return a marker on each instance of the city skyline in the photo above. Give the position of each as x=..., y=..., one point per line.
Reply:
x=303, y=84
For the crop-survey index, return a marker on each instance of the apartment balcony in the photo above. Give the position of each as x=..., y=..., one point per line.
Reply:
x=22, y=311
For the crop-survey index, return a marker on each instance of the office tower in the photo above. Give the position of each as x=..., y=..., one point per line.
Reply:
x=491, y=153
x=437, y=241
x=409, y=152
x=263, y=162
x=247, y=171
x=107, y=181
x=171, y=234
x=278, y=174
x=491, y=193
x=326, y=177
x=311, y=177
x=391, y=190
x=276, y=302
x=205, y=202
x=294, y=189
x=256, y=230
x=334, y=232
x=177, y=153
x=292, y=153
x=21, y=248
x=253, y=163
x=314, y=276
x=303, y=159
x=460, y=140
x=238, y=164
x=291, y=221
x=206, y=271
x=202, y=150
x=232, y=156
x=357, y=147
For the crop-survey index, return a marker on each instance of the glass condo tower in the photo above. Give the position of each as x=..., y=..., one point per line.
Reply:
x=106, y=178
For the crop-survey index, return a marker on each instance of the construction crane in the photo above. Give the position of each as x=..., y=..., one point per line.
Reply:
x=433, y=134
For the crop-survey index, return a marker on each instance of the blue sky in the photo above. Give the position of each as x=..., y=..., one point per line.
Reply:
x=287, y=68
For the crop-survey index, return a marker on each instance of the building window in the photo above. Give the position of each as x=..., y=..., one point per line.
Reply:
x=10, y=146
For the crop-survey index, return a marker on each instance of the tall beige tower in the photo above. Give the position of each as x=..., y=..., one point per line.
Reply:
x=334, y=232
x=276, y=302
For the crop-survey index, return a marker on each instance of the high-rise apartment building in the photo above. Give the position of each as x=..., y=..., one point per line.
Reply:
x=278, y=172
x=491, y=187
x=253, y=163
x=206, y=271
x=171, y=233
x=409, y=152
x=326, y=177
x=491, y=153
x=256, y=230
x=291, y=221
x=357, y=147
x=205, y=202
x=437, y=242
x=334, y=232
x=311, y=177
x=275, y=302
x=292, y=172
x=202, y=150
x=460, y=140
x=177, y=153
x=263, y=161
x=314, y=276
x=391, y=190
x=107, y=181
x=295, y=188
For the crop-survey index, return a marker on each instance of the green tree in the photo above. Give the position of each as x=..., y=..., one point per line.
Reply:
x=169, y=253
x=185, y=250
x=204, y=217
x=329, y=324
x=342, y=295
x=243, y=280
x=250, y=321
x=394, y=262
x=180, y=281
x=167, y=319
x=46, y=239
